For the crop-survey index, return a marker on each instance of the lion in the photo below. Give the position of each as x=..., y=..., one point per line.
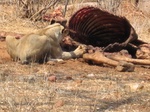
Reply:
x=41, y=46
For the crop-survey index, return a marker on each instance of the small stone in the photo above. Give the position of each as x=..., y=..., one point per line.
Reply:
x=78, y=82
x=59, y=103
x=31, y=79
x=68, y=77
x=3, y=75
x=90, y=75
x=125, y=67
x=135, y=86
x=52, y=78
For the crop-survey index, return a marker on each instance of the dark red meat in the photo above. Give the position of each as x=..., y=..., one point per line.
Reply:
x=96, y=27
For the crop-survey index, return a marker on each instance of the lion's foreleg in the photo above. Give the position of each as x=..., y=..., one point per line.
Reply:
x=78, y=52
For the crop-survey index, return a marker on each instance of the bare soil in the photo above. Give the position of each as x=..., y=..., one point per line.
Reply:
x=79, y=87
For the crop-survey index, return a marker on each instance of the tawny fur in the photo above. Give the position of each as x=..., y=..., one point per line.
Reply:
x=41, y=46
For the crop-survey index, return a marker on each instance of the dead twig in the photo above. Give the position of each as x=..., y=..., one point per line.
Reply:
x=67, y=1
x=38, y=14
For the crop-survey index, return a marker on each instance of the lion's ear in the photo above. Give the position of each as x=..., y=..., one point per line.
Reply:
x=52, y=21
x=65, y=32
x=64, y=22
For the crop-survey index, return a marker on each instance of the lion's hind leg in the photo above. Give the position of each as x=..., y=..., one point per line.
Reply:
x=11, y=44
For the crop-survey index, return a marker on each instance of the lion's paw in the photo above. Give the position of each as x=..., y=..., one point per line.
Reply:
x=80, y=50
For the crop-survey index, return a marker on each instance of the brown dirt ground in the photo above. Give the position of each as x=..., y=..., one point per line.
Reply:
x=79, y=87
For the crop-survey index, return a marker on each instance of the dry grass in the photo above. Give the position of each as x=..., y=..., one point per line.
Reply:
x=27, y=89
x=79, y=87
x=140, y=20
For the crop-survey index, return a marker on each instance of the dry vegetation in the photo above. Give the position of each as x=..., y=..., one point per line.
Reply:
x=73, y=85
